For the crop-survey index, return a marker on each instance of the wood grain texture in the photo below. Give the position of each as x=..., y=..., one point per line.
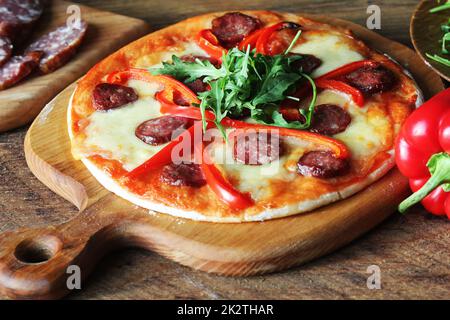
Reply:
x=106, y=33
x=426, y=34
x=160, y=13
x=412, y=250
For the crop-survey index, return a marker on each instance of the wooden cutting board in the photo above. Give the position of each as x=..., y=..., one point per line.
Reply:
x=106, y=33
x=33, y=262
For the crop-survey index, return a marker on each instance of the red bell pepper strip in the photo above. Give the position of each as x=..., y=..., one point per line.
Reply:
x=218, y=184
x=348, y=68
x=422, y=154
x=356, y=95
x=339, y=149
x=163, y=156
x=329, y=81
x=173, y=89
x=266, y=33
x=182, y=111
x=209, y=42
x=121, y=77
x=250, y=40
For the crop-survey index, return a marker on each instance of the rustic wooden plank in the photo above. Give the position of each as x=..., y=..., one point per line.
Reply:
x=160, y=13
x=412, y=251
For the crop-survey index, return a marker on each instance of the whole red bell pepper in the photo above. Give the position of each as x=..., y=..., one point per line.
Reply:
x=422, y=155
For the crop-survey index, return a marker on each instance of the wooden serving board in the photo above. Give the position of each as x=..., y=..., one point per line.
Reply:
x=33, y=262
x=106, y=33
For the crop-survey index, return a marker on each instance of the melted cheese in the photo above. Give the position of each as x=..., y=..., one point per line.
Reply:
x=188, y=48
x=332, y=49
x=249, y=178
x=366, y=133
x=112, y=133
x=365, y=136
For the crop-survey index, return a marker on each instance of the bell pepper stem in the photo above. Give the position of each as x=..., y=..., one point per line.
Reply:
x=439, y=165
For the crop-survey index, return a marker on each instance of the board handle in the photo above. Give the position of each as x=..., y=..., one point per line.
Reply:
x=46, y=263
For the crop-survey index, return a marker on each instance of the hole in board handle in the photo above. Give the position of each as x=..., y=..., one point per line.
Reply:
x=38, y=250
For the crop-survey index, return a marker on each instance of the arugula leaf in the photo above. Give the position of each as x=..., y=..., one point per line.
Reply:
x=439, y=59
x=276, y=82
x=279, y=121
x=189, y=71
x=246, y=83
x=441, y=7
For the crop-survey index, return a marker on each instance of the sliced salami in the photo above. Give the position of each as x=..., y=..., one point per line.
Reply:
x=307, y=64
x=5, y=49
x=17, y=18
x=17, y=68
x=183, y=174
x=321, y=164
x=59, y=45
x=108, y=96
x=372, y=80
x=160, y=130
x=329, y=119
x=197, y=85
x=257, y=148
x=232, y=27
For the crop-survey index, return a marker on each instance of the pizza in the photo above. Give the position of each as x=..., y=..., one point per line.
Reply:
x=240, y=116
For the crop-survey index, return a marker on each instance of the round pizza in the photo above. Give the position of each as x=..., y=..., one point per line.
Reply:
x=240, y=116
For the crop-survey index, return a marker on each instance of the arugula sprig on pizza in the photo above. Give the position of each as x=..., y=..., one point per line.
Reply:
x=309, y=112
x=245, y=83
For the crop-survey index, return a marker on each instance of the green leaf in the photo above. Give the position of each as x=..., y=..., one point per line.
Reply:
x=277, y=119
x=189, y=71
x=245, y=81
x=444, y=61
x=293, y=42
x=439, y=166
x=442, y=7
x=445, y=38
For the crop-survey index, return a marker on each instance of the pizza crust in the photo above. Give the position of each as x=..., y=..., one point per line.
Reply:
x=111, y=185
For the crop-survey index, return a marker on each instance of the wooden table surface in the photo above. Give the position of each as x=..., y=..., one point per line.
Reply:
x=412, y=251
